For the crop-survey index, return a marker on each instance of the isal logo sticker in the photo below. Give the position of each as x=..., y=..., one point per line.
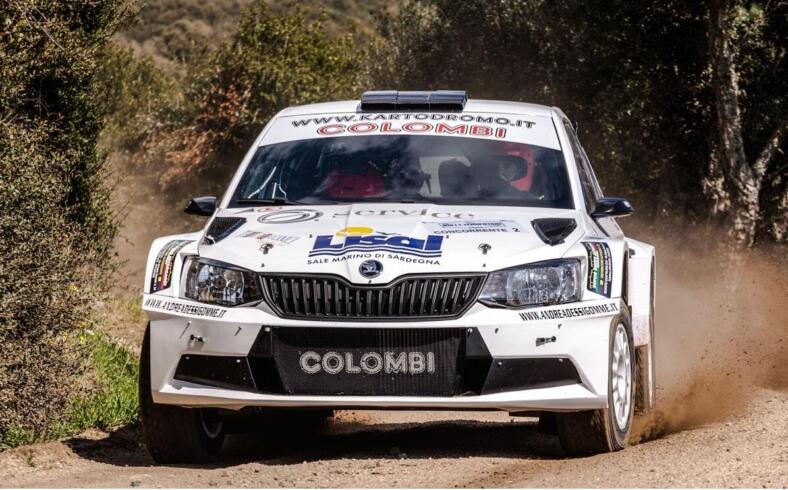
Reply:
x=365, y=239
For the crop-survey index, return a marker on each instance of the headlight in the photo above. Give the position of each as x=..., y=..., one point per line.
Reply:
x=211, y=282
x=543, y=283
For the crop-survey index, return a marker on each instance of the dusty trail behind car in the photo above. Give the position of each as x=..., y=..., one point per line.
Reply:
x=722, y=418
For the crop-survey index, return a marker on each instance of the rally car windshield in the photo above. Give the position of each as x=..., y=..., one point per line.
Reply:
x=406, y=168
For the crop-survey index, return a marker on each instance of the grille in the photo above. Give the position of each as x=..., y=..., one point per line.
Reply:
x=410, y=297
x=441, y=378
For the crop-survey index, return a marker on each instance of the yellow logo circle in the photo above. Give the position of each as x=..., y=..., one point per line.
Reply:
x=355, y=231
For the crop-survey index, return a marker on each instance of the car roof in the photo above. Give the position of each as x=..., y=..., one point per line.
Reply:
x=473, y=105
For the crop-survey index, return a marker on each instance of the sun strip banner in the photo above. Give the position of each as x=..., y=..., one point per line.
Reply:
x=535, y=130
x=162, y=268
x=600, y=268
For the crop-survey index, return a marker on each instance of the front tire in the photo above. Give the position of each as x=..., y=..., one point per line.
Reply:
x=175, y=434
x=605, y=430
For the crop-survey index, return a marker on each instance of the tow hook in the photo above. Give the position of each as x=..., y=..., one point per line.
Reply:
x=544, y=340
x=198, y=338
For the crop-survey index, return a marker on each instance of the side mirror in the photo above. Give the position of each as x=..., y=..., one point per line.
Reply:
x=201, y=206
x=610, y=207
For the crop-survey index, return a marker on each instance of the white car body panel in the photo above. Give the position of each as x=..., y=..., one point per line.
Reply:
x=284, y=239
x=506, y=334
x=459, y=252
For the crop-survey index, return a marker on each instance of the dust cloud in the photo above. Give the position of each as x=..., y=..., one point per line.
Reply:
x=721, y=326
x=145, y=212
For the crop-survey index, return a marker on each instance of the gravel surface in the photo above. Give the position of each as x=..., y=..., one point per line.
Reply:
x=430, y=449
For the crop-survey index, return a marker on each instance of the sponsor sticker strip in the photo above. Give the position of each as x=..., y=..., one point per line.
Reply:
x=406, y=116
x=162, y=267
x=289, y=216
x=600, y=268
x=184, y=309
x=569, y=312
x=267, y=237
x=472, y=226
x=375, y=255
x=477, y=130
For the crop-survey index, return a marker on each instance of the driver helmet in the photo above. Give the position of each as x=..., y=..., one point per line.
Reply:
x=353, y=180
x=526, y=153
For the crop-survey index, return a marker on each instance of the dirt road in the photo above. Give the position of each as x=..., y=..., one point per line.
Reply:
x=431, y=450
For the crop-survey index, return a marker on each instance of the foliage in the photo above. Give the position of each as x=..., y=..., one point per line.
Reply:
x=758, y=37
x=112, y=399
x=56, y=228
x=634, y=74
x=109, y=401
x=41, y=295
x=175, y=33
x=272, y=62
x=133, y=90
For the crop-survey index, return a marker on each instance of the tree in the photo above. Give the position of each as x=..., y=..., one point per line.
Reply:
x=742, y=178
x=637, y=77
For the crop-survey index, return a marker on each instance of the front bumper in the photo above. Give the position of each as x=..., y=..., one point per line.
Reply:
x=572, y=335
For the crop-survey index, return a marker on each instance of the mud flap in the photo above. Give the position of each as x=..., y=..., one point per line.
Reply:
x=644, y=389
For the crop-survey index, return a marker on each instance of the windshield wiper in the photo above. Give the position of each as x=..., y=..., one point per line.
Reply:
x=273, y=200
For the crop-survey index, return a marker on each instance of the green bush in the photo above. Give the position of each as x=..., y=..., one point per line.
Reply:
x=273, y=61
x=133, y=90
x=107, y=400
x=174, y=33
x=43, y=295
x=56, y=227
x=111, y=400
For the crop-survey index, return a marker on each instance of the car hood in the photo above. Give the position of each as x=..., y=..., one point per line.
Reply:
x=403, y=238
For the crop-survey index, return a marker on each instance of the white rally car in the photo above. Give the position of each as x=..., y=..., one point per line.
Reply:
x=410, y=250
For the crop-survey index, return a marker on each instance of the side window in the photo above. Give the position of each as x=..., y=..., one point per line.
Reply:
x=590, y=171
x=591, y=191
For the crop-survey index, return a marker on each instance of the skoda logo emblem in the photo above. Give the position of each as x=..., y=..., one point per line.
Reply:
x=370, y=268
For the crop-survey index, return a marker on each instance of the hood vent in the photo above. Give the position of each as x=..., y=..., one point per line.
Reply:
x=221, y=227
x=553, y=231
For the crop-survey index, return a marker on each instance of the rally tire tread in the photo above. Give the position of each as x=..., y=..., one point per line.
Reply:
x=583, y=433
x=588, y=432
x=172, y=434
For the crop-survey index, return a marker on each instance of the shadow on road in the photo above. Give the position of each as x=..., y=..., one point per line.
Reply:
x=339, y=440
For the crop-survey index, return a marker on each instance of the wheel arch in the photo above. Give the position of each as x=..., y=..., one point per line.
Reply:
x=162, y=270
x=640, y=293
